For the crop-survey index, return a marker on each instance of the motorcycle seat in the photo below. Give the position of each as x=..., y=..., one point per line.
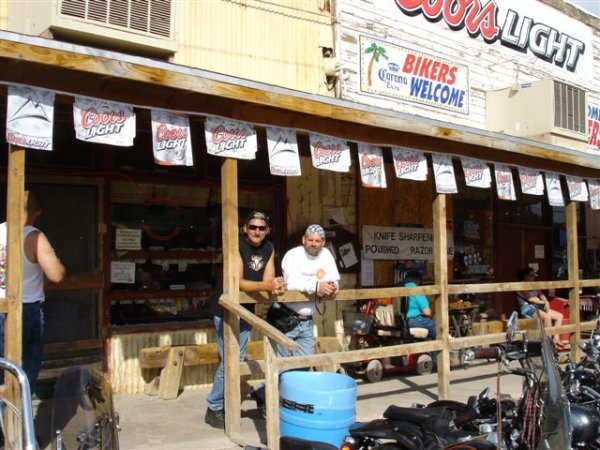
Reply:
x=414, y=415
x=419, y=333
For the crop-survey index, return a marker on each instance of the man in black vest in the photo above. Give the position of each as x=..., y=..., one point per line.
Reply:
x=257, y=273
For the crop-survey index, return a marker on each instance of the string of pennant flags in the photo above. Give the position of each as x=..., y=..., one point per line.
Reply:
x=30, y=116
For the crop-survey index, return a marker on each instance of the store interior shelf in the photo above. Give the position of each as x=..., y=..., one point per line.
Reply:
x=151, y=294
x=169, y=254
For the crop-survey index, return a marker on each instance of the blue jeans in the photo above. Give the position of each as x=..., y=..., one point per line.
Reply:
x=216, y=397
x=33, y=341
x=429, y=324
x=528, y=310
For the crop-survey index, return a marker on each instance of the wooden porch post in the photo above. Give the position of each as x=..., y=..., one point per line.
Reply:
x=13, y=307
x=440, y=253
x=573, y=268
x=231, y=286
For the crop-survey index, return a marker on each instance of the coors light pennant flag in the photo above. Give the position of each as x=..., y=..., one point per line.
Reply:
x=477, y=173
x=443, y=170
x=283, y=152
x=329, y=153
x=103, y=122
x=409, y=164
x=171, y=139
x=554, y=190
x=594, y=187
x=29, y=117
x=230, y=138
x=504, y=182
x=531, y=181
x=577, y=189
x=372, y=168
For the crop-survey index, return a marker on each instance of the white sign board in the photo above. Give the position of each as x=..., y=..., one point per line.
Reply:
x=400, y=243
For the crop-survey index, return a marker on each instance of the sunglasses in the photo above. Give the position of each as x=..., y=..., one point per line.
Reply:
x=257, y=227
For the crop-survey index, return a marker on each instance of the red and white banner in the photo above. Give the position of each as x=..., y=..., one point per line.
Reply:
x=577, y=189
x=172, y=143
x=230, y=138
x=409, y=164
x=504, y=182
x=29, y=117
x=329, y=153
x=477, y=173
x=554, y=189
x=372, y=169
x=594, y=186
x=443, y=170
x=531, y=181
x=284, y=158
x=103, y=122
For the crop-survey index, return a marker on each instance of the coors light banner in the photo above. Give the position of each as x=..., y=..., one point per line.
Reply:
x=531, y=181
x=29, y=117
x=594, y=186
x=504, y=182
x=171, y=139
x=103, y=122
x=329, y=153
x=230, y=138
x=409, y=164
x=372, y=169
x=577, y=189
x=445, y=181
x=284, y=158
x=477, y=173
x=555, y=195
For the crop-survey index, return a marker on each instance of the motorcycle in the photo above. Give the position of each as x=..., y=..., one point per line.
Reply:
x=541, y=419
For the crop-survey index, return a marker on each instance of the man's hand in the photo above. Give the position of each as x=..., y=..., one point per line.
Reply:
x=327, y=288
x=277, y=286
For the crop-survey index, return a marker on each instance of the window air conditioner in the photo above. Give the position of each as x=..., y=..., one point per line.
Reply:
x=541, y=107
x=144, y=26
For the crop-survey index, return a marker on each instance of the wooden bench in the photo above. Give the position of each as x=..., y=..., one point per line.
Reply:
x=173, y=358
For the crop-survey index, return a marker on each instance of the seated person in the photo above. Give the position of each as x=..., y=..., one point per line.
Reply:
x=419, y=312
x=533, y=300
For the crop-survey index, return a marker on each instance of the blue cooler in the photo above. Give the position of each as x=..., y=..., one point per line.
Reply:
x=317, y=406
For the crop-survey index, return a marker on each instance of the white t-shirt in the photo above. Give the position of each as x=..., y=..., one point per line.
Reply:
x=302, y=271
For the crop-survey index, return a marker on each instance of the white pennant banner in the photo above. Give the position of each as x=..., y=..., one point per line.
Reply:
x=594, y=186
x=577, y=189
x=29, y=117
x=329, y=153
x=103, y=122
x=171, y=139
x=443, y=170
x=372, y=168
x=284, y=158
x=555, y=195
x=477, y=173
x=409, y=164
x=531, y=181
x=504, y=182
x=230, y=138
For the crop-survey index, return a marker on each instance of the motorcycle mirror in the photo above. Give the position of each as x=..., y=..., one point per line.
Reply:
x=512, y=327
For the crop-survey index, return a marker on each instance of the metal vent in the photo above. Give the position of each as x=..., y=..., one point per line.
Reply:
x=569, y=108
x=141, y=16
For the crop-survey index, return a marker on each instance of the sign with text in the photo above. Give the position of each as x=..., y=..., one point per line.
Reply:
x=400, y=243
x=393, y=71
x=594, y=126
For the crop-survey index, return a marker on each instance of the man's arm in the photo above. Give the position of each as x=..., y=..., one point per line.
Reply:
x=38, y=249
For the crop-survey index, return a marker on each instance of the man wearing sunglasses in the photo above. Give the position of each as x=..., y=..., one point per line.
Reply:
x=257, y=273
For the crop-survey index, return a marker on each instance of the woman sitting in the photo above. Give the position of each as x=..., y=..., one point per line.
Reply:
x=533, y=300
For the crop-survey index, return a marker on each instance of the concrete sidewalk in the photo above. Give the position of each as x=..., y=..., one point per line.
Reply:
x=149, y=423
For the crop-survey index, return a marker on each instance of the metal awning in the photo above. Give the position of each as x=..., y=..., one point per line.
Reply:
x=79, y=70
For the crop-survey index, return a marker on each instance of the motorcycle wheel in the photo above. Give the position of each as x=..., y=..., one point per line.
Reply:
x=374, y=371
x=424, y=365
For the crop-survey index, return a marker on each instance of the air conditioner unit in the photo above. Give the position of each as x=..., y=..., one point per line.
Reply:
x=542, y=107
x=144, y=26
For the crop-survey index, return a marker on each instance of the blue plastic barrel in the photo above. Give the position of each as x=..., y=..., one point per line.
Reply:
x=317, y=406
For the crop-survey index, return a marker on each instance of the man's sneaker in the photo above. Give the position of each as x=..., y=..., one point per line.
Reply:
x=215, y=419
x=260, y=402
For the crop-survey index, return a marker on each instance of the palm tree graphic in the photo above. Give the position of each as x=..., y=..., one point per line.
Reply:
x=376, y=53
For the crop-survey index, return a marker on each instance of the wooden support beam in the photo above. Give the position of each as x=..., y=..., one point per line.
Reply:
x=170, y=375
x=573, y=269
x=440, y=253
x=231, y=286
x=272, y=394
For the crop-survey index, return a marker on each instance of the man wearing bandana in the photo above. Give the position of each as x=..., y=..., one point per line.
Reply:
x=309, y=268
x=257, y=273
